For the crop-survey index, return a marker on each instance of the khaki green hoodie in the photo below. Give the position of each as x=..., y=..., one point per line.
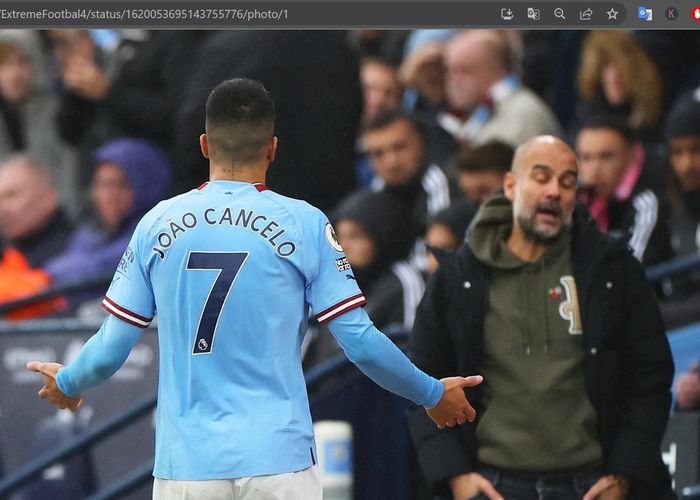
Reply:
x=537, y=416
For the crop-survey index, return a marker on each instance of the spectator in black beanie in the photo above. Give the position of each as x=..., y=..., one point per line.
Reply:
x=683, y=141
x=375, y=231
x=682, y=135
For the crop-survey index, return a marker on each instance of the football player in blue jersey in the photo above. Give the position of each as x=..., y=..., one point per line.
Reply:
x=232, y=269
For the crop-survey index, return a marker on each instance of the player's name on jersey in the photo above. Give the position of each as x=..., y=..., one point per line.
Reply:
x=260, y=224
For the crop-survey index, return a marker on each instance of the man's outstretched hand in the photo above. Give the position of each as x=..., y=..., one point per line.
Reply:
x=454, y=408
x=50, y=390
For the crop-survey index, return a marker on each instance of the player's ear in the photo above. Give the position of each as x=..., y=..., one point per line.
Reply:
x=204, y=145
x=272, y=149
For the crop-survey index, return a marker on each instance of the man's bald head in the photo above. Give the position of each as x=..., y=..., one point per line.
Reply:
x=535, y=148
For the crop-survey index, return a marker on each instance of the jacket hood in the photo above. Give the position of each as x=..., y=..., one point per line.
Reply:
x=489, y=229
x=147, y=169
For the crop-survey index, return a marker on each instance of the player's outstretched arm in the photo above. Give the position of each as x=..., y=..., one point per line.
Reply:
x=454, y=402
x=385, y=364
x=101, y=356
x=50, y=390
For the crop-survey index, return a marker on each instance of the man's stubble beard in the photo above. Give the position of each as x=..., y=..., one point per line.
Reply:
x=528, y=225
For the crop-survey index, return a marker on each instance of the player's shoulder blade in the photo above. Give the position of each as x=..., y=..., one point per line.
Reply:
x=298, y=208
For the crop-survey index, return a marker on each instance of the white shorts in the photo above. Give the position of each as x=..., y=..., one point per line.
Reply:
x=301, y=485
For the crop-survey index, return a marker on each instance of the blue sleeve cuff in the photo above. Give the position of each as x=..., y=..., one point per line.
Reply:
x=64, y=384
x=437, y=389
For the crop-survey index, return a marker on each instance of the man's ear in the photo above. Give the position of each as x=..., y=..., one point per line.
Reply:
x=272, y=149
x=204, y=145
x=509, y=185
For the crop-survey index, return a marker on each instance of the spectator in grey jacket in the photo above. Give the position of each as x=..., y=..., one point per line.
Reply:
x=486, y=99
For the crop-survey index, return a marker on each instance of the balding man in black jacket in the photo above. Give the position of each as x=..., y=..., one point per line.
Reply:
x=566, y=331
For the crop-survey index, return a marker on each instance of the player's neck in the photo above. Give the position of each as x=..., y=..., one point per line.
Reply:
x=249, y=173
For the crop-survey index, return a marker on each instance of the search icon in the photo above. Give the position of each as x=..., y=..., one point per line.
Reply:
x=559, y=12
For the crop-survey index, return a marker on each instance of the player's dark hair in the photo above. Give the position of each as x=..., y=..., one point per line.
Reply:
x=240, y=120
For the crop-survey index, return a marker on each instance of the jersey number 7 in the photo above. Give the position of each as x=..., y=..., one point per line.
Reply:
x=228, y=264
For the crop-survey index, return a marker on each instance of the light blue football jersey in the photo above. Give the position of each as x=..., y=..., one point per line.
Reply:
x=232, y=270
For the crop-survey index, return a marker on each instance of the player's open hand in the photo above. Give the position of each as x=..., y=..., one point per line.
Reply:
x=50, y=390
x=454, y=408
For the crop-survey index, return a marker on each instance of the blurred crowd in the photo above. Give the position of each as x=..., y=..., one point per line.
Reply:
x=398, y=136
